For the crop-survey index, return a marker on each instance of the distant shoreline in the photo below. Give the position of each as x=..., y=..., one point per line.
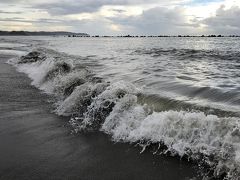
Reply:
x=41, y=33
x=73, y=34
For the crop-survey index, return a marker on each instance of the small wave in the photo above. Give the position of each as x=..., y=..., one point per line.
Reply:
x=192, y=53
x=118, y=109
x=187, y=78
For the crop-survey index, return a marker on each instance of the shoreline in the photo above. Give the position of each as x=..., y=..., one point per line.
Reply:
x=35, y=144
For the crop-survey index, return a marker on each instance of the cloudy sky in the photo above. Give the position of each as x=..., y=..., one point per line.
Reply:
x=121, y=17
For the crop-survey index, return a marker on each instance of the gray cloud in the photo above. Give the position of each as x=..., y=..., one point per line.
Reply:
x=225, y=21
x=40, y=20
x=8, y=1
x=158, y=21
x=155, y=21
x=64, y=7
x=14, y=19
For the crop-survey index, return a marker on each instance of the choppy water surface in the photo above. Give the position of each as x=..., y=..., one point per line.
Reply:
x=180, y=93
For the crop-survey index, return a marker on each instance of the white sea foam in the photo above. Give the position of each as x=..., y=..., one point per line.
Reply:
x=200, y=137
x=114, y=109
x=80, y=99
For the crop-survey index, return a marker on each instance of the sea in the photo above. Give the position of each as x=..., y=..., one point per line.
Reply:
x=180, y=95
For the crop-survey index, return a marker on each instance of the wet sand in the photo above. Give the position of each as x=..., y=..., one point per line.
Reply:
x=35, y=144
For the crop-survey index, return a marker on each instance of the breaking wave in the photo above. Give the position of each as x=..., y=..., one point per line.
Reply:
x=116, y=109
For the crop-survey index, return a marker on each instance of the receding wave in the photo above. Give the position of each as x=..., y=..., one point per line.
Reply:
x=123, y=111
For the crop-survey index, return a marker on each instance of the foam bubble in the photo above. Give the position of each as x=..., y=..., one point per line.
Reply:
x=78, y=102
x=198, y=136
x=114, y=109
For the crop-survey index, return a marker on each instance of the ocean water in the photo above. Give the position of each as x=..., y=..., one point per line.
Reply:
x=181, y=94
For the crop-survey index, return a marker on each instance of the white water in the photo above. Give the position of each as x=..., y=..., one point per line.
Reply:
x=113, y=108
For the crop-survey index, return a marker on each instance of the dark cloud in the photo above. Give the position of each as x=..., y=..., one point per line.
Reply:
x=225, y=21
x=22, y=20
x=74, y=7
x=63, y=8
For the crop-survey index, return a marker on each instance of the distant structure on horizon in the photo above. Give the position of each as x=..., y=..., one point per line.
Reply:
x=151, y=36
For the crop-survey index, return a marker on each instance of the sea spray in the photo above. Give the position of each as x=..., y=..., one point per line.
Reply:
x=114, y=109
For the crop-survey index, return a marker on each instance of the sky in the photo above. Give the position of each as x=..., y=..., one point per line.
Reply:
x=122, y=17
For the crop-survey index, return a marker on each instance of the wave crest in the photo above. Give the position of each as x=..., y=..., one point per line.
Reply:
x=114, y=108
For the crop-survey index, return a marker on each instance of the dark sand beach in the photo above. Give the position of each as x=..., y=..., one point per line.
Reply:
x=35, y=144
